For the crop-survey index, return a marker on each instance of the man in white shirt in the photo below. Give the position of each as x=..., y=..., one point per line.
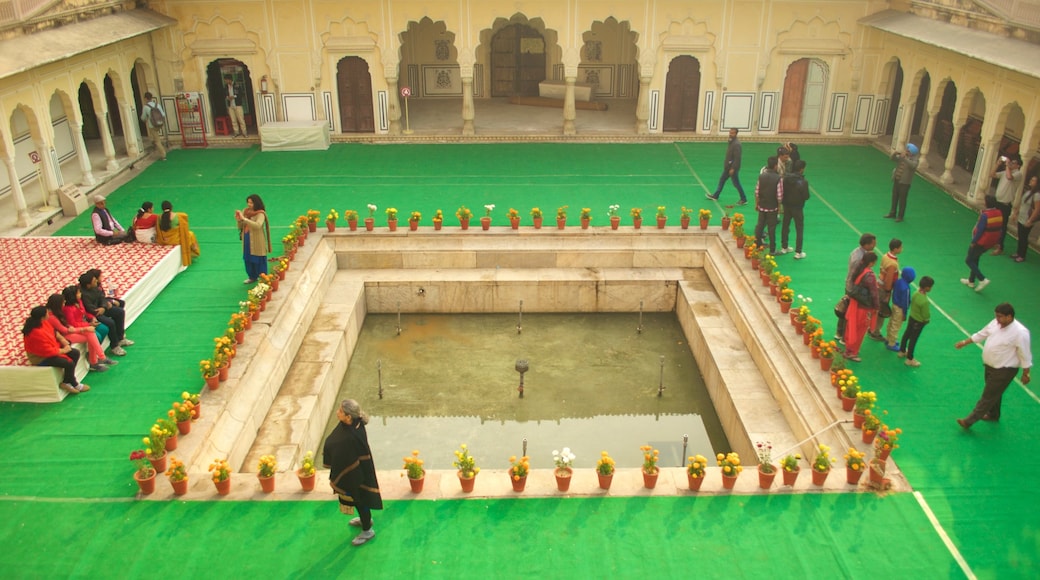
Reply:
x=1010, y=181
x=1005, y=350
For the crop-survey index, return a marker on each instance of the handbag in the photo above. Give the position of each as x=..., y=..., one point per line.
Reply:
x=841, y=306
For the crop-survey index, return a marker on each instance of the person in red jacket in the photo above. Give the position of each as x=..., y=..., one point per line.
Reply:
x=45, y=347
x=985, y=235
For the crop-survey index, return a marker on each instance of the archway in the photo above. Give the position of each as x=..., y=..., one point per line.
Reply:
x=91, y=124
x=970, y=137
x=239, y=72
x=804, y=88
x=920, y=106
x=682, y=87
x=354, y=85
x=943, y=135
x=115, y=122
x=518, y=61
x=895, y=92
x=430, y=69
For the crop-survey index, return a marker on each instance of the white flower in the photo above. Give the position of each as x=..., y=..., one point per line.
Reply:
x=372, y=207
x=490, y=207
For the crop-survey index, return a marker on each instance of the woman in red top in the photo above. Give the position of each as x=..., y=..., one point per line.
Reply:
x=45, y=348
x=857, y=314
x=77, y=333
x=77, y=314
x=144, y=223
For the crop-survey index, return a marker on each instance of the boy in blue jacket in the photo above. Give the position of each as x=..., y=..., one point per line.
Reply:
x=900, y=306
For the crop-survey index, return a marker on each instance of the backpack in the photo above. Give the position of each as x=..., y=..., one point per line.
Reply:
x=156, y=117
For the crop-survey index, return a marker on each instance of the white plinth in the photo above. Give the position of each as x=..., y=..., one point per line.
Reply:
x=556, y=90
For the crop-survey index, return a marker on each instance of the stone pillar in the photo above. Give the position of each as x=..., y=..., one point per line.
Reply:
x=643, y=107
x=569, y=112
x=929, y=134
x=106, y=141
x=951, y=157
x=47, y=170
x=133, y=146
x=468, y=110
x=81, y=154
x=394, y=104
x=16, y=192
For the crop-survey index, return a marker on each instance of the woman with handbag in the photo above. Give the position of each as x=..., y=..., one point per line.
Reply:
x=863, y=300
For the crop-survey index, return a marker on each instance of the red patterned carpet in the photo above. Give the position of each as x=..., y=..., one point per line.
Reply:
x=35, y=268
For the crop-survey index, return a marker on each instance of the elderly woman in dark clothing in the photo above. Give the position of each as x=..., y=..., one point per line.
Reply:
x=352, y=472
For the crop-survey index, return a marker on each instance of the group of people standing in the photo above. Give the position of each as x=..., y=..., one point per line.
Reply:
x=81, y=314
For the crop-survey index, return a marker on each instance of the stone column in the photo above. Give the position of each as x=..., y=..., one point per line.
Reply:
x=394, y=104
x=468, y=110
x=81, y=154
x=929, y=134
x=569, y=112
x=47, y=170
x=951, y=157
x=643, y=107
x=133, y=146
x=106, y=141
x=16, y=192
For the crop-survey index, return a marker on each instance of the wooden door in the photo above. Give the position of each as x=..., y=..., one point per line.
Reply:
x=354, y=83
x=794, y=94
x=517, y=61
x=681, y=91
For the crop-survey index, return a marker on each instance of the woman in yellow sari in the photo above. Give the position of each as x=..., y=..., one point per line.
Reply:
x=173, y=231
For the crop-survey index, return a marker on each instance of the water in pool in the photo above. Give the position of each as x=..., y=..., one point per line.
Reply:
x=592, y=386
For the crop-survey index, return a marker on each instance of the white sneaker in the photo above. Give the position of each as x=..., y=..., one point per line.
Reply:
x=784, y=251
x=118, y=351
x=799, y=256
x=126, y=342
x=982, y=284
x=967, y=283
x=912, y=362
x=363, y=537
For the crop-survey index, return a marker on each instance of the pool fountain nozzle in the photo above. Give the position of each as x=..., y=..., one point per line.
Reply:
x=521, y=367
x=660, y=387
x=685, y=442
x=379, y=373
x=639, y=329
x=520, y=318
x=398, y=319
x=524, y=454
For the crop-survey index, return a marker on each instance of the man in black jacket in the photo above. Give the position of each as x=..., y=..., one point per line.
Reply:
x=796, y=193
x=731, y=169
x=769, y=192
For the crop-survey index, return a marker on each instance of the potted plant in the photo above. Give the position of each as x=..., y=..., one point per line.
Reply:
x=737, y=227
x=821, y=464
x=604, y=470
x=485, y=221
x=865, y=401
x=854, y=465
x=221, y=476
x=330, y=220
x=650, y=469
x=731, y=468
x=564, y=461
x=766, y=469
x=612, y=213
x=828, y=350
x=536, y=217
x=370, y=221
x=144, y=474
x=464, y=214
x=695, y=468
x=181, y=413
x=178, y=476
x=637, y=217
x=790, y=468
x=351, y=216
x=561, y=217
x=786, y=297
x=849, y=389
x=413, y=467
x=886, y=441
x=662, y=218
x=391, y=218
x=871, y=424
x=809, y=328
x=585, y=217
x=164, y=430
x=265, y=472
x=704, y=216
x=518, y=470
x=514, y=218
x=467, y=467
x=725, y=220
x=438, y=220
x=685, y=215
x=312, y=220
x=209, y=373
x=306, y=472
x=196, y=403
x=413, y=220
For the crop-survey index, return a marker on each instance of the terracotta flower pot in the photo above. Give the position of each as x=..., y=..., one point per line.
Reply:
x=306, y=481
x=684, y=222
x=561, y=223
x=392, y=225
x=852, y=475
x=158, y=463
x=145, y=484
x=704, y=224
x=266, y=483
x=179, y=487
x=785, y=307
x=352, y=224
x=848, y=403
x=222, y=373
x=604, y=480
x=171, y=443
x=876, y=468
x=725, y=223
x=615, y=221
x=858, y=419
x=417, y=484
x=694, y=482
x=437, y=225
x=370, y=224
x=518, y=482
x=765, y=480
x=213, y=382
x=312, y=226
x=825, y=363
x=514, y=223
x=820, y=477
x=413, y=226
x=790, y=477
x=485, y=223
x=650, y=479
x=729, y=481
x=537, y=222
x=196, y=411
x=331, y=225
x=563, y=478
x=585, y=223
x=741, y=240
x=184, y=427
x=464, y=223
x=223, y=487
x=661, y=222
x=467, y=482
x=868, y=436
x=637, y=222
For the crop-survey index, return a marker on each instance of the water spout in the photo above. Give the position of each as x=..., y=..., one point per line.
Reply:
x=520, y=318
x=660, y=387
x=521, y=367
x=639, y=329
x=685, y=442
x=398, y=319
x=379, y=373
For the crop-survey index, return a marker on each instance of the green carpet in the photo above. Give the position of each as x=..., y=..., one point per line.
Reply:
x=65, y=486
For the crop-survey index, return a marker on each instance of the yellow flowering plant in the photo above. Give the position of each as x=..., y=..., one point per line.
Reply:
x=871, y=421
x=307, y=464
x=391, y=213
x=463, y=213
x=414, y=466
x=787, y=295
x=465, y=462
x=605, y=464
x=661, y=211
x=704, y=214
x=208, y=368
x=333, y=215
x=438, y=216
x=887, y=439
x=586, y=213
x=849, y=383
x=415, y=217
x=182, y=410
x=865, y=401
x=767, y=264
x=695, y=465
x=823, y=459
x=561, y=212
x=790, y=462
x=536, y=212
x=313, y=215
x=513, y=214
x=221, y=470
x=854, y=459
x=266, y=466
x=237, y=322
x=756, y=251
x=730, y=463
x=636, y=212
x=650, y=458
x=176, y=471
x=193, y=398
x=828, y=349
x=519, y=468
x=350, y=215
x=686, y=212
x=738, y=219
x=811, y=325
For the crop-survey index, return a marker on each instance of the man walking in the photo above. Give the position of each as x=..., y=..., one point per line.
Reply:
x=1007, y=188
x=233, y=97
x=769, y=192
x=1005, y=350
x=902, y=177
x=796, y=193
x=983, y=237
x=731, y=169
x=155, y=119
